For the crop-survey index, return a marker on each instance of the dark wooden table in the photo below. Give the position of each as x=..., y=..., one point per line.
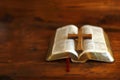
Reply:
x=26, y=27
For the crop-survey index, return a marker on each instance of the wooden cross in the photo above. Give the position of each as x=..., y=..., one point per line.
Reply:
x=79, y=38
x=79, y=47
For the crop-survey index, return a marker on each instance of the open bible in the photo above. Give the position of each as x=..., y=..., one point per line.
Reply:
x=87, y=43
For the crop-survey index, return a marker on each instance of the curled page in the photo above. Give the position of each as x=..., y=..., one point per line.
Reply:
x=96, y=48
x=63, y=46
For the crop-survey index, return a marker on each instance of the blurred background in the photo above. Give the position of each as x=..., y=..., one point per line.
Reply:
x=57, y=13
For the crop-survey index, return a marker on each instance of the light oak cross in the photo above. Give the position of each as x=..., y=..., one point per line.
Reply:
x=79, y=38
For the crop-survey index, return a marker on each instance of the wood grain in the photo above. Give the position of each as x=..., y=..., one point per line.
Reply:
x=26, y=27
